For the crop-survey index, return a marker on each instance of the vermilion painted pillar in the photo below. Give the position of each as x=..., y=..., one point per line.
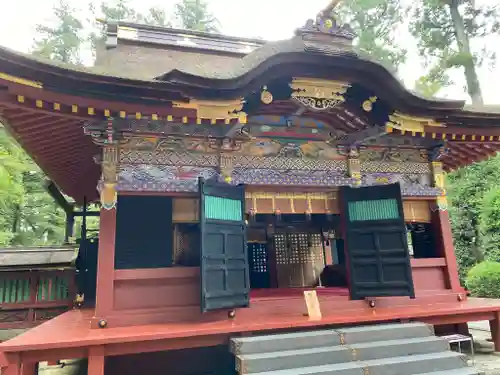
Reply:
x=29, y=368
x=445, y=241
x=105, y=264
x=14, y=366
x=96, y=361
x=495, y=331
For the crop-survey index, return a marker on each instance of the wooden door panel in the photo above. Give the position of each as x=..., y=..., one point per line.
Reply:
x=376, y=242
x=224, y=260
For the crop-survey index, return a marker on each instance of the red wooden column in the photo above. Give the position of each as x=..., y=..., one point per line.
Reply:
x=96, y=361
x=495, y=331
x=14, y=366
x=105, y=263
x=442, y=227
x=29, y=368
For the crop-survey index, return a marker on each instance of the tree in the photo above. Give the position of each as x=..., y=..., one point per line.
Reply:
x=157, y=17
x=120, y=10
x=444, y=30
x=194, y=15
x=61, y=42
x=431, y=83
x=11, y=190
x=489, y=224
x=466, y=190
x=376, y=24
x=28, y=215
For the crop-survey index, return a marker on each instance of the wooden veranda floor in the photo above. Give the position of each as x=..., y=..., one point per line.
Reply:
x=69, y=335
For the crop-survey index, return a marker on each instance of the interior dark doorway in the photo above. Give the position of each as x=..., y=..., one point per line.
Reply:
x=294, y=252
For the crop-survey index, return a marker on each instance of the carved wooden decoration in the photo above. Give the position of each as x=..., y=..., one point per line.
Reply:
x=354, y=165
x=438, y=180
x=109, y=177
x=319, y=94
x=216, y=109
x=409, y=123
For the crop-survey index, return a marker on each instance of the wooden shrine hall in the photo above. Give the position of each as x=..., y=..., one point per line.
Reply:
x=242, y=183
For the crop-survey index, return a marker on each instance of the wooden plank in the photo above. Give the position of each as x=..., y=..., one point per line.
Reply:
x=185, y=210
x=416, y=211
x=71, y=330
x=312, y=303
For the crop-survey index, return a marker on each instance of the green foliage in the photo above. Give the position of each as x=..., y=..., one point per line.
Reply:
x=63, y=41
x=120, y=10
x=376, y=24
x=483, y=280
x=467, y=189
x=28, y=215
x=489, y=224
x=194, y=15
x=444, y=31
x=431, y=83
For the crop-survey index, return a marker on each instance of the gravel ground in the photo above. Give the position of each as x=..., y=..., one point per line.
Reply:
x=485, y=359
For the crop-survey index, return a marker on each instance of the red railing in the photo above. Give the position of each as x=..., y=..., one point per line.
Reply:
x=31, y=297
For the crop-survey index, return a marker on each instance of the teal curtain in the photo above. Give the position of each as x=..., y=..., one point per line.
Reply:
x=382, y=209
x=218, y=208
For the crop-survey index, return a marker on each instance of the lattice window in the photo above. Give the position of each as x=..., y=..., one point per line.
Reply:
x=258, y=253
x=280, y=246
x=299, y=258
x=316, y=243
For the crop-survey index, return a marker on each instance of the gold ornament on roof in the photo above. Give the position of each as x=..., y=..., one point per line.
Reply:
x=368, y=104
x=319, y=94
x=328, y=22
x=404, y=122
x=265, y=96
x=215, y=109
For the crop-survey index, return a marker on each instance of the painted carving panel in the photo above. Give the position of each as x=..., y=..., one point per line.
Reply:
x=287, y=177
x=411, y=184
x=145, y=177
x=174, y=164
x=259, y=147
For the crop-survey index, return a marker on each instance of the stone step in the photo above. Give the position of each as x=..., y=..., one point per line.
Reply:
x=462, y=371
x=289, y=359
x=282, y=360
x=384, y=332
x=399, y=348
x=328, y=338
x=406, y=365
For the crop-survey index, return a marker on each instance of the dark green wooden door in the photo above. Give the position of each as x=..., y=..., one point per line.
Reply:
x=224, y=261
x=375, y=242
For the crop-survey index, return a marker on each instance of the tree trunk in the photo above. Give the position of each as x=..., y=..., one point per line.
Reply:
x=473, y=86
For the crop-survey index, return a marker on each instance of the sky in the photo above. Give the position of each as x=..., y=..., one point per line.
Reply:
x=268, y=19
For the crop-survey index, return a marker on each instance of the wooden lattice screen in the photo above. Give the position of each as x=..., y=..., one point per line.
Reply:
x=299, y=259
x=259, y=266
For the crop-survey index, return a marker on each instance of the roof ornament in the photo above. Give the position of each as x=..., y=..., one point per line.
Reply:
x=327, y=34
